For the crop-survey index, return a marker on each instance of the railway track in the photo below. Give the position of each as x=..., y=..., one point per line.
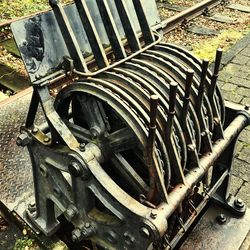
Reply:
x=13, y=82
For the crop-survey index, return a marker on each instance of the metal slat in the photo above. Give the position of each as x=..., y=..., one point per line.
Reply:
x=145, y=28
x=93, y=37
x=133, y=40
x=111, y=29
x=68, y=36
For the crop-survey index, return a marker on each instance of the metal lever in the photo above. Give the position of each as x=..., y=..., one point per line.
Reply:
x=193, y=154
x=186, y=101
x=152, y=161
x=173, y=153
x=207, y=143
x=218, y=129
x=216, y=72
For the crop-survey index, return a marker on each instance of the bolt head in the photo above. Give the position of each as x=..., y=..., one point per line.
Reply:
x=70, y=214
x=23, y=140
x=46, y=139
x=239, y=203
x=34, y=130
x=32, y=207
x=75, y=168
x=82, y=147
x=153, y=215
x=247, y=107
x=221, y=218
x=76, y=235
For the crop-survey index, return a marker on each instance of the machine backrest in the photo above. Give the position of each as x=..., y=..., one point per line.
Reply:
x=42, y=44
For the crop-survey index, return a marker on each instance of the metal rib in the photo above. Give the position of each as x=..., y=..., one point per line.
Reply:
x=111, y=29
x=69, y=37
x=133, y=40
x=145, y=28
x=93, y=37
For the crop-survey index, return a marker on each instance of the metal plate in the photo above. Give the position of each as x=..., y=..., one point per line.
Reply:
x=42, y=46
x=15, y=166
x=210, y=235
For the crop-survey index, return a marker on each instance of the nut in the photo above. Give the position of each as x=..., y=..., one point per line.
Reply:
x=75, y=168
x=221, y=219
x=23, y=140
x=239, y=203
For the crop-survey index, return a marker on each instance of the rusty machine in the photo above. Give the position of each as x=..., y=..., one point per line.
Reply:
x=128, y=136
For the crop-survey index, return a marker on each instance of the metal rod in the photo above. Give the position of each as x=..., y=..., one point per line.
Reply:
x=216, y=72
x=152, y=160
x=218, y=129
x=186, y=101
x=92, y=34
x=178, y=194
x=207, y=143
x=192, y=150
x=68, y=36
x=201, y=90
x=151, y=144
x=111, y=29
x=145, y=28
x=132, y=37
x=175, y=159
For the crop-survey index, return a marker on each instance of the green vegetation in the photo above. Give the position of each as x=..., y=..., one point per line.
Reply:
x=226, y=39
x=23, y=244
x=10, y=9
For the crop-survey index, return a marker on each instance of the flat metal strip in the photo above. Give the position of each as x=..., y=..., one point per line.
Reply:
x=143, y=21
x=111, y=29
x=69, y=37
x=133, y=39
x=93, y=37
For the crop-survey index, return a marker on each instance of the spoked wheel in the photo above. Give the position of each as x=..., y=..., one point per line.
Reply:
x=96, y=114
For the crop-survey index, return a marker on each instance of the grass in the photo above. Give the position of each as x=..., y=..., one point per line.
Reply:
x=24, y=243
x=10, y=9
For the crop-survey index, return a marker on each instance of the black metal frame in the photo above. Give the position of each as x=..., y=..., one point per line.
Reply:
x=67, y=159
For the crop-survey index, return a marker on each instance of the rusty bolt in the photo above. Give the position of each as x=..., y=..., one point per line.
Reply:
x=75, y=168
x=221, y=219
x=145, y=232
x=23, y=140
x=239, y=203
x=76, y=235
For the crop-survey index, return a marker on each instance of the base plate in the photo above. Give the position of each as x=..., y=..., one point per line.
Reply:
x=209, y=234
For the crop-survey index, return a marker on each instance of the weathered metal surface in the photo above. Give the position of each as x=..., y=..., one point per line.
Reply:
x=210, y=234
x=128, y=146
x=42, y=56
x=15, y=165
